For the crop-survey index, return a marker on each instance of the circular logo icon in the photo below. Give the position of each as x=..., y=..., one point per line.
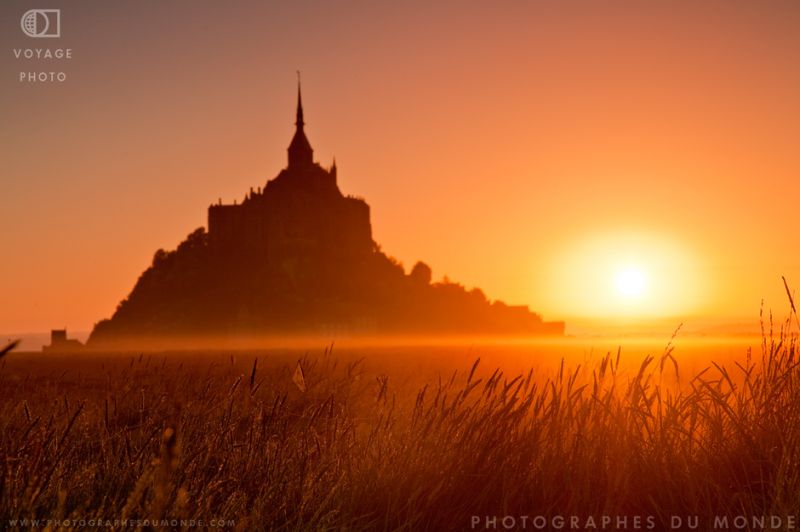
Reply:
x=41, y=23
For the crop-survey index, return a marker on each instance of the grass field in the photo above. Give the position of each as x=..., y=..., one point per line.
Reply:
x=405, y=439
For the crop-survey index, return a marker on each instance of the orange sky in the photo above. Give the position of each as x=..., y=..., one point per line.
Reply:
x=524, y=149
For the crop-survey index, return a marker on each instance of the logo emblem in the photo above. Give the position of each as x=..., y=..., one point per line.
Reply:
x=41, y=23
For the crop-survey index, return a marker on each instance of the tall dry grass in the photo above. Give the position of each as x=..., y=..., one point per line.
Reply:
x=160, y=438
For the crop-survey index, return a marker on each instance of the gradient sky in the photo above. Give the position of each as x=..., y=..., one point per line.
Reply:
x=528, y=148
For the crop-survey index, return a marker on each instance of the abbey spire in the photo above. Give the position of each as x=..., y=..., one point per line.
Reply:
x=299, y=122
x=300, y=152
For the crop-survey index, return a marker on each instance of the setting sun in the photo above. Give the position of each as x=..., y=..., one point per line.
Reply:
x=626, y=273
x=631, y=283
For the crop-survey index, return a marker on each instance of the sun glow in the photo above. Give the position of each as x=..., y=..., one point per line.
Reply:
x=625, y=274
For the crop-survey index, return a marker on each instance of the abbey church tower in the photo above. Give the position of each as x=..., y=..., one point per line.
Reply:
x=300, y=151
x=301, y=212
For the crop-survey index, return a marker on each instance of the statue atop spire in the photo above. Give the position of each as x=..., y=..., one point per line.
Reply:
x=300, y=151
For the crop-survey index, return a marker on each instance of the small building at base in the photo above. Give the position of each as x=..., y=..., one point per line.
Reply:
x=60, y=343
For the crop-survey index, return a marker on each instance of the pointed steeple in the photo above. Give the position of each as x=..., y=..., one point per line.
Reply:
x=299, y=122
x=300, y=152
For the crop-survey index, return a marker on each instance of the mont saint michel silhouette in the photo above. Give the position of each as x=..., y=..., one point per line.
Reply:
x=298, y=258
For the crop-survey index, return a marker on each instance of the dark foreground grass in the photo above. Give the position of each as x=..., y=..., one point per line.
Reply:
x=149, y=439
